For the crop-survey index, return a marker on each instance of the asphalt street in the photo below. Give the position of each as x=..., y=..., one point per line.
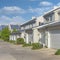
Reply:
x=9, y=51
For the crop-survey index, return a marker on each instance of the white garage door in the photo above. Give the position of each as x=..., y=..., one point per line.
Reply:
x=55, y=39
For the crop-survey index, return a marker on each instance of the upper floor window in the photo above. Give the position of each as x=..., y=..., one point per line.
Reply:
x=59, y=15
x=49, y=18
x=40, y=23
x=33, y=25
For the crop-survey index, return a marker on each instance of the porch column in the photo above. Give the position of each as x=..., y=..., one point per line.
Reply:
x=35, y=35
x=26, y=37
x=49, y=40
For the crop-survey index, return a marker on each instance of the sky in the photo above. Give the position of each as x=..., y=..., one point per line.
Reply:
x=20, y=11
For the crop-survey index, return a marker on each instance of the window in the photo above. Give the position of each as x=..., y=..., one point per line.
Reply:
x=59, y=16
x=39, y=23
x=50, y=18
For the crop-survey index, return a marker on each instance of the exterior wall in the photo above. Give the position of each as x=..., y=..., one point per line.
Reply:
x=56, y=15
x=14, y=37
x=49, y=41
x=53, y=16
x=28, y=26
x=42, y=38
x=35, y=35
x=23, y=35
x=29, y=36
x=10, y=37
x=32, y=25
x=51, y=38
x=45, y=38
x=39, y=19
x=49, y=18
x=32, y=36
x=26, y=38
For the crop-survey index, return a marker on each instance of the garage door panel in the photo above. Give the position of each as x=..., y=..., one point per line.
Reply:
x=55, y=38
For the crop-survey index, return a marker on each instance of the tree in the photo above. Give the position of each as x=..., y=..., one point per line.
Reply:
x=5, y=33
x=14, y=30
x=0, y=33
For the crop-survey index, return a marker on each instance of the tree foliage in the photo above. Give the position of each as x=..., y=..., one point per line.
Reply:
x=5, y=33
x=14, y=30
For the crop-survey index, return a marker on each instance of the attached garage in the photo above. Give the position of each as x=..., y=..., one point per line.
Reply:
x=52, y=35
x=55, y=38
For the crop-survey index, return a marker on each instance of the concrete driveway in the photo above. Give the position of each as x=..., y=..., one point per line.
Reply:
x=14, y=52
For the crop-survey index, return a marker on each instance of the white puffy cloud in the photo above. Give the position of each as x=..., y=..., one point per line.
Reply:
x=39, y=11
x=13, y=20
x=45, y=3
x=12, y=10
x=2, y=18
x=17, y=19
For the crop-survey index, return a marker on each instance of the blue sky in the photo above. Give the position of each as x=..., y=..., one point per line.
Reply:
x=19, y=11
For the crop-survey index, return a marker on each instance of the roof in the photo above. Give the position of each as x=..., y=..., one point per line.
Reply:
x=15, y=26
x=49, y=25
x=51, y=10
x=3, y=26
x=15, y=33
x=30, y=21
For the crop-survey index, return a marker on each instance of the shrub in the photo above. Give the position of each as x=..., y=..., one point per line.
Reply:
x=26, y=45
x=36, y=46
x=57, y=52
x=46, y=47
x=20, y=41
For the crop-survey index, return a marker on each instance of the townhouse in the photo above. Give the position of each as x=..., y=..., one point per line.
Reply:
x=14, y=34
x=14, y=26
x=44, y=29
x=50, y=31
x=29, y=31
